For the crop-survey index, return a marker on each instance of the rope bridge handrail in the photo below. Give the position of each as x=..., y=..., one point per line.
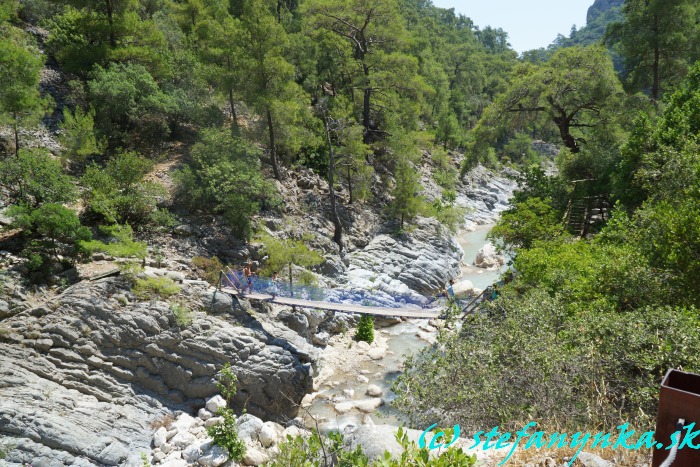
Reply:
x=279, y=288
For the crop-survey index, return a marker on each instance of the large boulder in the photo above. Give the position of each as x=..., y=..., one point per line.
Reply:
x=463, y=287
x=488, y=257
x=87, y=377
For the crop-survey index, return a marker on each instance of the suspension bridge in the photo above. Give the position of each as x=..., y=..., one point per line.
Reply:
x=375, y=303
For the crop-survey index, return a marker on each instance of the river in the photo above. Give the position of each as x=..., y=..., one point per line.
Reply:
x=344, y=373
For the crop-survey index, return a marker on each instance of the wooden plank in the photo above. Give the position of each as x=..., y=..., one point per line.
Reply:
x=345, y=307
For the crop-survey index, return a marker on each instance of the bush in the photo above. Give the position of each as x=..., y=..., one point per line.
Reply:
x=53, y=238
x=121, y=243
x=321, y=451
x=317, y=451
x=542, y=361
x=183, y=316
x=225, y=433
x=33, y=178
x=155, y=287
x=130, y=109
x=365, y=329
x=120, y=194
x=208, y=268
x=224, y=177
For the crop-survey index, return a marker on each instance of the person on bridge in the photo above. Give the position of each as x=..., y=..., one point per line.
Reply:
x=248, y=271
x=450, y=290
x=274, y=290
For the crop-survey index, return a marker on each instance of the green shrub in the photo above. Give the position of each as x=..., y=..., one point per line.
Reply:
x=54, y=229
x=365, y=329
x=155, y=287
x=317, y=451
x=544, y=360
x=183, y=316
x=33, y=178
x=208, y=268
x=225, y=433
x=121, y=243
x=320, y=451
x=120, y=193
x=224, y=177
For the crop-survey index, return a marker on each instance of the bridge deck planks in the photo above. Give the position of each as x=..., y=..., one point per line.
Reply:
x=345, y=307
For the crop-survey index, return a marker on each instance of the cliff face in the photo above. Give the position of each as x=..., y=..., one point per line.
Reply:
x=85, y=376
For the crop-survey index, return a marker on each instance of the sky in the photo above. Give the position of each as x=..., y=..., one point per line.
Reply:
x=530, y=24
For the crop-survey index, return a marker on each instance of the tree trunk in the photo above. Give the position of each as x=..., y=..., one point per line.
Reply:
x=273, y=148
x=15, y=129
x=110, y=20
x=656, y=85
x=338, y=228
x=366, y=103
x=563, y=123
x=235, y=128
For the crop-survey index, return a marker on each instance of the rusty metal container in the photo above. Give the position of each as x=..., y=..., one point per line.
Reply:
x=679, y=398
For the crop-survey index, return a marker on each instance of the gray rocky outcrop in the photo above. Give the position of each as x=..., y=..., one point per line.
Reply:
x=421, y=262
x=84, y=376
x=485, y=194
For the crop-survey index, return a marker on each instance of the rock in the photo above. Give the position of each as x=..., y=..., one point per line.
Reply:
x=488, y=257
x=215, y=403
x=254, y=457
x=175, y=276
x=204, y=414
x=321, y=338
x=217, y=302
x=183, y=230
x=349, y=393
x=192, y=452
x=183, y=423
x=249, y=427
x=292, y=431
x=369, y=405
x=159, y=437
x=214, y=457
x=364, y=346
x=112, y=370
x=462, y=287
x=213, y=421
x=268, y=435
x=174, y=463
x=415, y=264
x=344, y=407
x=297, y=322
x=367, y=420
x=308, y=399
x=362, y=379
x=426, y=336
x=377, y=353
x=183, y=439
x=374, y=390
x=591, y=460
x=332, y=268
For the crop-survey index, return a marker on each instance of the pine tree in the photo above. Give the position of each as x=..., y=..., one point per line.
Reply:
x=365, y=329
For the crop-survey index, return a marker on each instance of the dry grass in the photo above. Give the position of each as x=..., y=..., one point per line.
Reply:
x=162, y=421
